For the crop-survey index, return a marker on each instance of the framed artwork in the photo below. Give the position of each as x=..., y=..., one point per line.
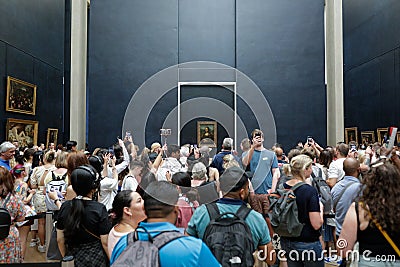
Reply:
x=51, y=137
x=351, y=134
x=21, y=96
x=207, y=130
x=368, y=137
x=382, y=134
x=23, y=131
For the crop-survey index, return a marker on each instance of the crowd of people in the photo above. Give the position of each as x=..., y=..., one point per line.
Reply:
x=195, y=207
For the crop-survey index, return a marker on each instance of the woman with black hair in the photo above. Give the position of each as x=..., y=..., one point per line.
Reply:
x=83, y=225
x=127, y=213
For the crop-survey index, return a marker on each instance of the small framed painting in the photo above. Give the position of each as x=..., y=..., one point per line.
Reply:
x=207, y=130
x=23, y=131
x=368, y=137
x=21, y=96
x=51, y=137
x=351, y=135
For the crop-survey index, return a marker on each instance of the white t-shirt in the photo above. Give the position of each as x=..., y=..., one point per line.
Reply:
x=129, y=183
x=336, y=169
x=108, y=190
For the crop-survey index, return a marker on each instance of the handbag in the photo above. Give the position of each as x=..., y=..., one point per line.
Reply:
x=53, y=253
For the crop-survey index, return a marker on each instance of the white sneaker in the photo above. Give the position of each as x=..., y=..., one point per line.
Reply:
x=42, y=249
x=34, y=242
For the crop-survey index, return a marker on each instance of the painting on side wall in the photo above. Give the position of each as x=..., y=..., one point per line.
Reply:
x=382, y=135
x=23, y=131
x=21, y=96
x=398, y=138
x=368, y=137
x=207, y=133
x=351, y=135
x=51, y=136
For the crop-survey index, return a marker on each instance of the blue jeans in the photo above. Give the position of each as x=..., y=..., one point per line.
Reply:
x=303, y=254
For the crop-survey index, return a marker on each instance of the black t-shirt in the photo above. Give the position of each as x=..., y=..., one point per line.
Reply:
x=307, y=201
x=95, y=220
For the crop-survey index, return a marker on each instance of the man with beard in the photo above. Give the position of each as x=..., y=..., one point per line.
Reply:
x=234, y=185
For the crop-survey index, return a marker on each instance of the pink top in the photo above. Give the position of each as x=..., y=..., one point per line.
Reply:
x=113, y=238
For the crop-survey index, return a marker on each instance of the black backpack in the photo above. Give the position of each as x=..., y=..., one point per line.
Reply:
x=229, y=238
x=324, y=192
x=5, y=219
x=144, y=253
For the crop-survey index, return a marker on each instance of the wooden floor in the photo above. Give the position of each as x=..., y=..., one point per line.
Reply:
x=32, y=254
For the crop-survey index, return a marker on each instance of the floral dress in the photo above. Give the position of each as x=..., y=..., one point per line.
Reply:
x=10, y=247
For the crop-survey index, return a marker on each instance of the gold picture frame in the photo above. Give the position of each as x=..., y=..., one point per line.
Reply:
x=367, y=137
x=207, y=130
x=398, y=138
x=21, y=96
x=52, y=134
x=381, y=132
x=351, y=134
x=23, y=131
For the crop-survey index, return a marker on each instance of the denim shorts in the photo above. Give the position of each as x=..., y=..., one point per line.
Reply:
x=299, y=254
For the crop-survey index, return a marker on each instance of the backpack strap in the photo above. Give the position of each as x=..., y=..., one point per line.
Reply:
x=297, y=186
x=53, y=176
x=213, y=210
x=165, y=237
x=243, y=212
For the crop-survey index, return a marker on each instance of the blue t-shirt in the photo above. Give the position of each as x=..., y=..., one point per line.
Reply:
x=5, y=164
x=218, y=161
x=185, y=251
x=261, y=165
x=258, y=227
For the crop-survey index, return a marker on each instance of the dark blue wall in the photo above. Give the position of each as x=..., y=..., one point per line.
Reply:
x=32, y=49
x=278, y=44
x=372, y=63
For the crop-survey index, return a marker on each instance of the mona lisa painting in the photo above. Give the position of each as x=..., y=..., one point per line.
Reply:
x=207, y=130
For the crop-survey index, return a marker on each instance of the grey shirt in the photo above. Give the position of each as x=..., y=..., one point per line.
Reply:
x=346, y=199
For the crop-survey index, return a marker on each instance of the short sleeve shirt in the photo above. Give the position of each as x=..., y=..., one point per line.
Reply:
x=185, y=251
x=95, y=220
x=258, y=227
x=261, y=165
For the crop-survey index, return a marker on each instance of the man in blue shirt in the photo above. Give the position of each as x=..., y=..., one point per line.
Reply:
x=218, y=160
x=235, y=187
x=346, y=191
x=263, y=164
x=160, y=201
x=7, y=152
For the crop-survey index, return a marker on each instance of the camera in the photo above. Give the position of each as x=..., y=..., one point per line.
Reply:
x=165, y=132
x=111, y=151
x=128, y=134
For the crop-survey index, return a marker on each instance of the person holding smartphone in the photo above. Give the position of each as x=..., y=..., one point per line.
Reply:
x=264, y=166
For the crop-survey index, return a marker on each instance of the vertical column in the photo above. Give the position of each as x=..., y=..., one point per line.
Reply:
x=78, y=71
x=334, y=70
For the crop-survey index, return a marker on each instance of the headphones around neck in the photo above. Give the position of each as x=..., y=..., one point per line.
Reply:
x=95, y=178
